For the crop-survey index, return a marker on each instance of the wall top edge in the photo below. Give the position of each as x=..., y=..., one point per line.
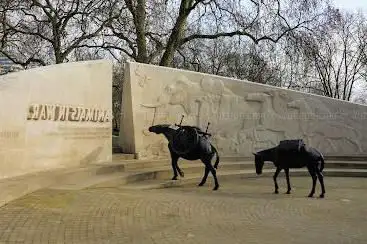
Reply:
x=130, y=63
x=63, y=65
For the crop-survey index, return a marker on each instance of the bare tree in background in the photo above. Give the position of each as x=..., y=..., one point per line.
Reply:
x=48, y=31
x=153, y=31
x=204, y=55
x=117, y=84
x=337, y=53
x=230, y=57
x=5, y=7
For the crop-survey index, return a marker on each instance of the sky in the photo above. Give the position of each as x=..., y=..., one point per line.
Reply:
x=351, y=4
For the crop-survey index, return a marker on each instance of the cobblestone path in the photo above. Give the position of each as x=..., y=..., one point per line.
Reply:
x=242, y=211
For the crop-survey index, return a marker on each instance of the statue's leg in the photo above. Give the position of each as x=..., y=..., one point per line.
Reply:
x=277, y=171
x=174, y=160
x=206, y=161
x=215, y=152
x=320, y=176
x=214, y=173
x=180, y=172
x=209, y=167
x=203, y=180
x=286, y=170
x=312, y=172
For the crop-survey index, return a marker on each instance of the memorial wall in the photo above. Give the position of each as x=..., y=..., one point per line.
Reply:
x=244, y=116
x=57, y=116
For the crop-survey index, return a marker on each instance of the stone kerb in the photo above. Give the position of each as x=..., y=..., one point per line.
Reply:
x=244, y=116
x=57, y=116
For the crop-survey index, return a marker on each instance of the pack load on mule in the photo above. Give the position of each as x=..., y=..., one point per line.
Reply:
x=294, y=145
x=187, y=137
x=190, y=143
x=290, y=148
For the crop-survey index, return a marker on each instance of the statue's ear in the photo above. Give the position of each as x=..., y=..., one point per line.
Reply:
x=255, y=154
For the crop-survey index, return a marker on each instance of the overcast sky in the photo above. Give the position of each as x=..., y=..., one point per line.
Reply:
x=352, y=4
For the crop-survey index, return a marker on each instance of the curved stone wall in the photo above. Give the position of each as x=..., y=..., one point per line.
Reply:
x=56, y=116
x=244, y=116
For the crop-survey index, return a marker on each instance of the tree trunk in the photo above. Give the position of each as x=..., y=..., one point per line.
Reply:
x=176, y=34
x=139, y=19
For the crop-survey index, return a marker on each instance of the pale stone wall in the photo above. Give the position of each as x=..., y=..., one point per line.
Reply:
x=56, y=116
x=244, y=116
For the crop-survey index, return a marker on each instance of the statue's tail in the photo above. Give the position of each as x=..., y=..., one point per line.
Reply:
x=217, y=160
x=322, y=163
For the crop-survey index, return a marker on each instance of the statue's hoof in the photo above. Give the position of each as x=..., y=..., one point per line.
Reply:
x=200, y=184
x=215, y=188
x=322, y=196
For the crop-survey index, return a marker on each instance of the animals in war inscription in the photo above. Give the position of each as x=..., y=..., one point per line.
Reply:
x=64, y=113
x=68, y=113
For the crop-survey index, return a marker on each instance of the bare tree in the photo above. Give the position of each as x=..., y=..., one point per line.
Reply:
x=6, y=6
x=205, y=55
x=145, y=36
x=47, y=31
x=117, y=84
x=337, y=53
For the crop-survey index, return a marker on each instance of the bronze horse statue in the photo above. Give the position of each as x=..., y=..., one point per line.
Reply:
x=293, y=154
x=190, y=143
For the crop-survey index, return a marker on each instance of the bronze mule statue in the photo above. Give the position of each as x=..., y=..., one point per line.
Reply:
x=190, y=143
x=293, y=154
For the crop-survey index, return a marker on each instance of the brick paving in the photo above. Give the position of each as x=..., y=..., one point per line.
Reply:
x=242, y=211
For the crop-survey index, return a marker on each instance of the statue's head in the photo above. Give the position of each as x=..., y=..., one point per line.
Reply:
x=158, y=129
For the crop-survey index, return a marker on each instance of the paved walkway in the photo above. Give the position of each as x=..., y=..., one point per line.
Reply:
x=242, y=211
